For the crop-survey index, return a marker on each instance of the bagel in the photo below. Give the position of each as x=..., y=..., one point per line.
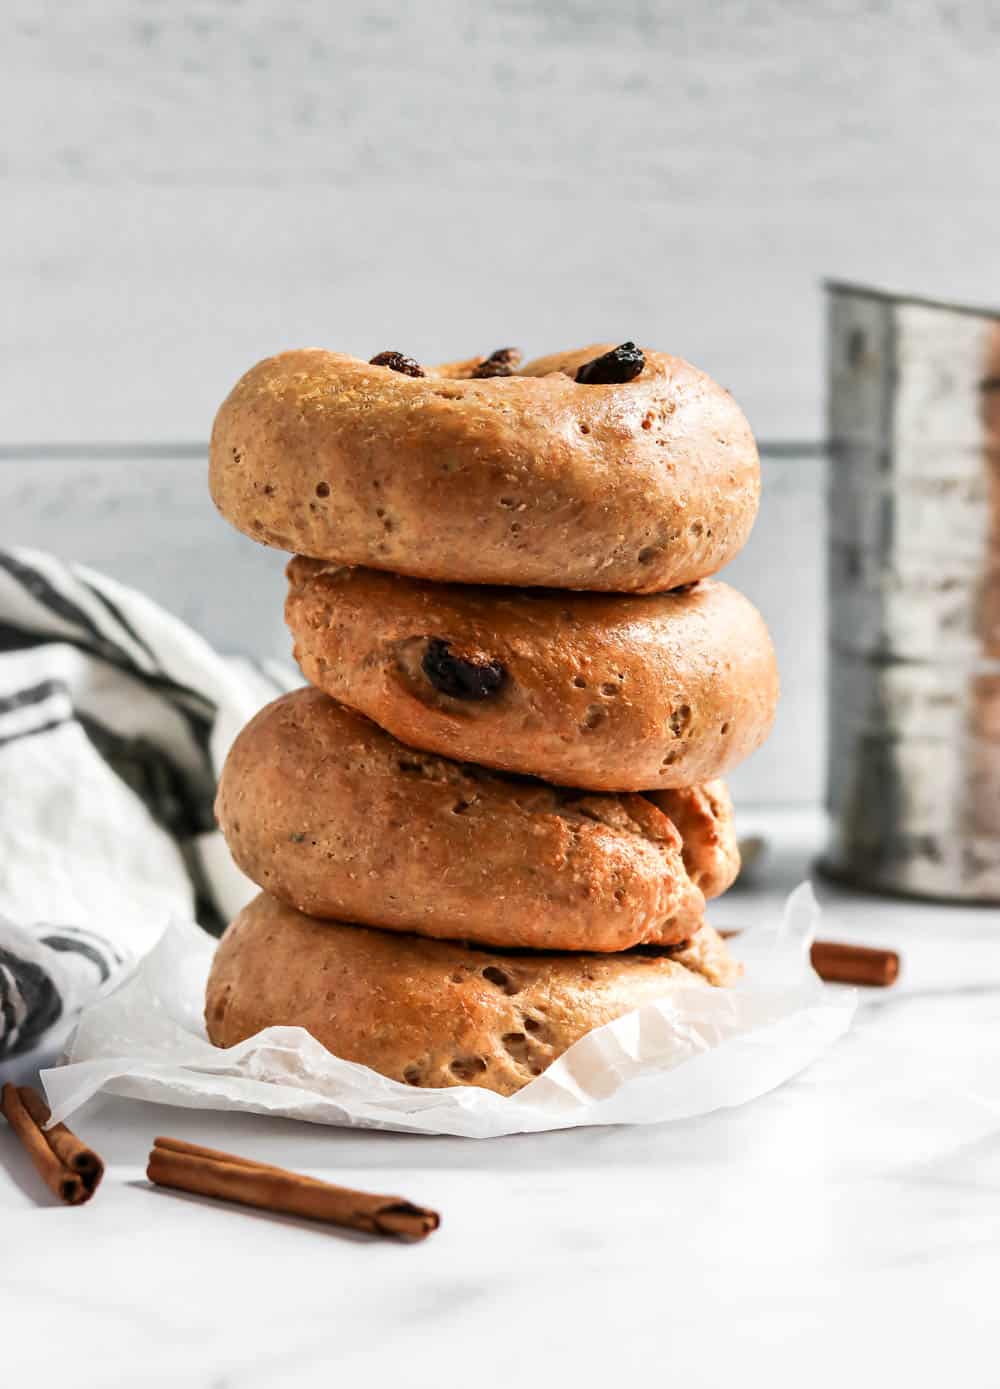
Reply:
x=530, y=479
x=329, y=814
x=433, y=1013
x=608, y=692
x=703, y=817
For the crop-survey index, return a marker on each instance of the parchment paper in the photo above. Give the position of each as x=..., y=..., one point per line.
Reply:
x=701, y=1049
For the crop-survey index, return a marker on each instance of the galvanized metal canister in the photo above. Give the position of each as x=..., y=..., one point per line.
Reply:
x=914, y=595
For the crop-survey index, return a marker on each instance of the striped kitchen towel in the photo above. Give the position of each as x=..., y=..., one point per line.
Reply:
x=114, y=720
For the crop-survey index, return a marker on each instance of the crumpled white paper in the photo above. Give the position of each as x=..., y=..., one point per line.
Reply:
x=700, y=1049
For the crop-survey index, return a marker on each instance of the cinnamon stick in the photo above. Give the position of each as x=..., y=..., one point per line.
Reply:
x=854, y=964
x=71, y=1151
x=68, y=1168
x=849, y=964
x=208, y=1172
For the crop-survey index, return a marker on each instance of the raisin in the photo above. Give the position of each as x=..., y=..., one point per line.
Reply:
x=396, y=361
x=499, y=363
x=462, y=677
x=621, y=364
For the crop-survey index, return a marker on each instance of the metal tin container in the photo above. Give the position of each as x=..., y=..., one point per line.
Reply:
x=914, y=595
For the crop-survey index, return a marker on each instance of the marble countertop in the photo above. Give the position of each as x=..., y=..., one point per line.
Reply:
x=841, y=1230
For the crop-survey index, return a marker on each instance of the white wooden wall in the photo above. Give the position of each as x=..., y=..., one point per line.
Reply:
x=189, y=186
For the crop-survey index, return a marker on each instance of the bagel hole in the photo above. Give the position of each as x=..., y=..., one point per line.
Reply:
x=501, y=979
x=579, y=682
x=322, y=489
x=467, y=1067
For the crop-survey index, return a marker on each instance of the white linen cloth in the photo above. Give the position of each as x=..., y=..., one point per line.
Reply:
x=114, y=720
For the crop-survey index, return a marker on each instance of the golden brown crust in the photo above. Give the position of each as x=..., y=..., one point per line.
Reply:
x=609, y=692
x=703, y=817
x=328, y=813
x=431, y=1013
x=530, y=479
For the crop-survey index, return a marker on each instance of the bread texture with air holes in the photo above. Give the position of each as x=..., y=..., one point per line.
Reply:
x=608, y=692
x=432, y=1013
x=330, y=814
x=528, y=479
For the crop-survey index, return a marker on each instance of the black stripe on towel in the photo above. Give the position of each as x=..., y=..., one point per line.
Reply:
x=40, y=588
x=42, y=1000
x=44, y=593
x=114, y=611
x=74, y=946
x=35, y=694
x=197, y=709
x=8, y=1015
x=46, y=727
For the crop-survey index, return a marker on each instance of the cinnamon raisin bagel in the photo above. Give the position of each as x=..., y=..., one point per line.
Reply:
x=703, y=817
x=328, y=813
x=432, y=1013
x=533, y=477
x=609, y=692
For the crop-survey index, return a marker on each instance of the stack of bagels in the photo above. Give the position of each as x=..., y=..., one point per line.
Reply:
x=491, y=820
